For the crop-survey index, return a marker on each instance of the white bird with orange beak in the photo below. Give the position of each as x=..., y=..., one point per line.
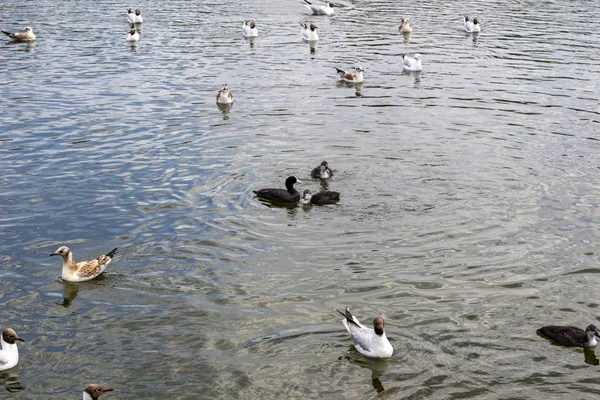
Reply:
x=9, y=352
x=26, y=35
x=249, y=29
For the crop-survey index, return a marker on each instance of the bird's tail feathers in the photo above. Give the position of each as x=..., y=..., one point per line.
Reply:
x=112, y=253
x=7, y=33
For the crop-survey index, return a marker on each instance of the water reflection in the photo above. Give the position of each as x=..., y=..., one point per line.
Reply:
x=377, y=366
x=11, y=381
x=70, y=291
x=225, y=109
x=313, y=45
x=406, y=37
x=252, y=41
x=590, y=356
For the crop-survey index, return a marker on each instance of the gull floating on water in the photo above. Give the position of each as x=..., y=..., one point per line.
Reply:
x=309, y=33
x=84, y=270
x=92, y=392
x=224, y=96
x=135, y=18
x=287, y=195
x=405, y=26
x=412, y=63
x=322, y=198
x=472, y=26
x=249, y=29
x=368, y=342
x=9, y=353
x=357, y=77
x=322, y=171
x=133, y=35
x=571, y=335
x=320, y=9
x=26, y=35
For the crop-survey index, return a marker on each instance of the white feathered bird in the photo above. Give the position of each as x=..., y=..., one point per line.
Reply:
x=412, y=63
x=368, y=342
x=309, y=33
x=320, y=9
x=472, y=26
x=249, y=29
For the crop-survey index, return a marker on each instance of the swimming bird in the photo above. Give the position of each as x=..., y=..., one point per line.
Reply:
x=405, y=26
x=412, y=64
x=133, y=35
x=224, y=96
x=309, y=34
x=9, y=353
x=26, y=35
x=368, y=342
x=571, y=335
x=287, y=195
x=472, y=26
x=358, y=77
x=321, y=198
x=322, y=171
x=84, y=270
x=249, y=29
x=320, y=9
x=92, y=392
x=135, y=18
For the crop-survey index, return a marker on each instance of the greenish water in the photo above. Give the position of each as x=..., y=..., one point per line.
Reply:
x=468, y=216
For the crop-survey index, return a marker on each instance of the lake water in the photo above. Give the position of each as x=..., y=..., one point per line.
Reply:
x=469, y=213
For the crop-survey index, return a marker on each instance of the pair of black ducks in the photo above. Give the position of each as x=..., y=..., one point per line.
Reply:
x=291, y=195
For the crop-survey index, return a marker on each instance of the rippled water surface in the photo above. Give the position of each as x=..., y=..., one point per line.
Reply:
x=469, y=213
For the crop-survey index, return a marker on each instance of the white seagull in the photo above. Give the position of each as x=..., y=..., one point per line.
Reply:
x=358, y=77
x=320, y=9
x=224, y=96
x=368, y=342
x=92, y=392
x=249, y=29
x=135, y=18
x=472, y=26
x=309, y=33
x=26, y=35
x=133, y=35
x=84, y=270
x=412, y=64
x=9, y=353
x=405, y=26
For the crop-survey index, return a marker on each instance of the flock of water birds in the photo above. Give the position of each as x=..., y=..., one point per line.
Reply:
x=369, y=342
